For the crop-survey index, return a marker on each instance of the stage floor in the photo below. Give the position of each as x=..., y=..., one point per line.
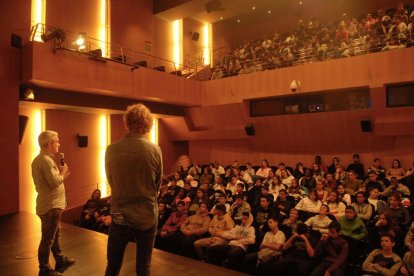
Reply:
x=20, y=236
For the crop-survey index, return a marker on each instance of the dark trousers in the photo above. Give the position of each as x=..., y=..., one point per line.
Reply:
x=119, y=236
x=50, y=238
x=320, y=269
x=226, y=255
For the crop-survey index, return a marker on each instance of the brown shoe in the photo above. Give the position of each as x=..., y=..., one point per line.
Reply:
x=62, y=266
x=49, y=272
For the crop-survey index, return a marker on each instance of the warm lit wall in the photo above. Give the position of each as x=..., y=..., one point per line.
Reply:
x=75, y=16
x=372, y=70
x=82, y=162
x=174, y=153
x=132, y=23
x=191, y=47
x=28, y=150
x=15, y=19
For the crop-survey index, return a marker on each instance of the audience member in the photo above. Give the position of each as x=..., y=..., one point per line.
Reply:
x=240, y=237
x=396, y=187
x=407, y=267
x=171, y=226
x=363, y=209
x=377, y=169
x=239, y=207
x=379, y=205
x=383, y=261
x=320, y=222
x=87, y=218
x=299, y=250
x=220, y=223
x=336, y=207
x=333, y=250
x=352, y=184
x=270, y=248
x=396, y=170
x=373, y=182
x=283, y=204
x=357, y=167
x=309, y=204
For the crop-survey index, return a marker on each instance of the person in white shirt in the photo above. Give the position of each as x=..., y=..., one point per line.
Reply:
x=309, y=204
x=264, y=169
x=270, y=249
x=216, y=169
x=321, y=221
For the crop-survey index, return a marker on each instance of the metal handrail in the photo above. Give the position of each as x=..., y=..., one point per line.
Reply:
x=117, y=53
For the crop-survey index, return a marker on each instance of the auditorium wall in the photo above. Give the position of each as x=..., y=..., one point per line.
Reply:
x=85, y=163
x=15, y=19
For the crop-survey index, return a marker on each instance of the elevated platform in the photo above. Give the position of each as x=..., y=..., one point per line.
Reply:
x=20, y=236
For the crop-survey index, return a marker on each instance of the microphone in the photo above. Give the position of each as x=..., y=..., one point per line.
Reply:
x=62, y=159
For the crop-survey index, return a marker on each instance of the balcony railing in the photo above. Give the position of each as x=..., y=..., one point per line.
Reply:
x=108, y=52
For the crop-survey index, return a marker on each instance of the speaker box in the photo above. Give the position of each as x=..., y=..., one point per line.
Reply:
x=82, y=141
x=366, y=126
x=249, y=129
x=213, y=5
x=195, y=36
x=16, y=41
x=22, y=127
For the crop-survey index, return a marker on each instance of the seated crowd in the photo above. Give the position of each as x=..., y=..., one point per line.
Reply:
x=96, y=213
x=267, y=220
x=314, y=41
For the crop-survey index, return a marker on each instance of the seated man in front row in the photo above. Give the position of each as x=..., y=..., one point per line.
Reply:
x=334, y=251
x=220, y=223
x=231, y=255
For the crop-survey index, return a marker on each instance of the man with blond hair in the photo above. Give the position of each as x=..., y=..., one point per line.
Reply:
x=51, y=200
x=133, y=169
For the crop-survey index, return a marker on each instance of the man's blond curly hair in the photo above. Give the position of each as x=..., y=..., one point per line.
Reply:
x=138, y=118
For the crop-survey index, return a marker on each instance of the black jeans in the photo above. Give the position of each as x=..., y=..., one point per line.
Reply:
x=119, y=236
x=50, y=238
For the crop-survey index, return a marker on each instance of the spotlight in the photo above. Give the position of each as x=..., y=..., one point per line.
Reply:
x=81, y=41
x=27, y=94
x=57, y=34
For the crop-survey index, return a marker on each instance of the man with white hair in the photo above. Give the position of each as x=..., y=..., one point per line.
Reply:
x=51, y=200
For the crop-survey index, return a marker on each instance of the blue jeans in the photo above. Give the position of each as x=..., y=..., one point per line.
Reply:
x=119, y=236
x=50, y=238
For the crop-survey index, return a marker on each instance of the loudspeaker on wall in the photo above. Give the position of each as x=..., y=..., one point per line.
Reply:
x=195, y=36
x=249, y=129
x=82, y=141
x=366, y=125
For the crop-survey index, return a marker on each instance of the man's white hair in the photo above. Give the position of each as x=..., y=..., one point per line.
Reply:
x=45, y=137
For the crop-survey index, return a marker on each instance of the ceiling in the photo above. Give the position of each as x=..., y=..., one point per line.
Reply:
x=232, y=10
